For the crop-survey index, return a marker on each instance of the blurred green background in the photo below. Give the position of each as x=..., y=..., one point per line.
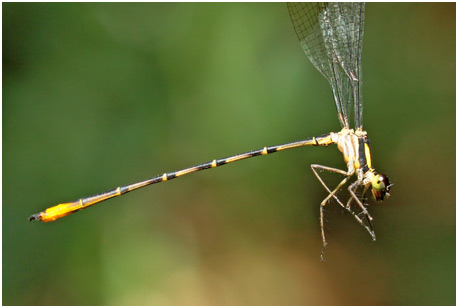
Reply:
x=101, y=95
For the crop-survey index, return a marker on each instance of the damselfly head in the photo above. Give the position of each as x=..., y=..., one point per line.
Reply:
x=380, y=186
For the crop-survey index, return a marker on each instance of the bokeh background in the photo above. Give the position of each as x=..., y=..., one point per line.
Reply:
x=101, y=95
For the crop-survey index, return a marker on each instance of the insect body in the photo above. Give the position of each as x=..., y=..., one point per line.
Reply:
x=331, y=36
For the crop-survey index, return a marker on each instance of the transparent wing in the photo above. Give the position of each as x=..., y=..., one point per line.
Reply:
x=331, y=35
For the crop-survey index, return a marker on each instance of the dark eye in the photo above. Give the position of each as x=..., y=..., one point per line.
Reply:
x=380, y=187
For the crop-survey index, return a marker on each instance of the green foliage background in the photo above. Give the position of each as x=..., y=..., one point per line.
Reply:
x=101, y=95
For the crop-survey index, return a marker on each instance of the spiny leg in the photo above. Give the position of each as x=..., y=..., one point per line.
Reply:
x=348, y=206
x=352, y=188
x=323, y=238
x=333, y=194
x=363, y=197
x=314, y=166
x=369, y=228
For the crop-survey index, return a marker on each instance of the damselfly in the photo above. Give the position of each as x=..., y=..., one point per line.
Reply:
x=331, y=35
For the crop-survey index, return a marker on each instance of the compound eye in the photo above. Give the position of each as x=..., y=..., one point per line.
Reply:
x=380, y=187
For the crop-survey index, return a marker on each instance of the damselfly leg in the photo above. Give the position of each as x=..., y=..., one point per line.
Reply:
x=363, y=200
x=332, y=194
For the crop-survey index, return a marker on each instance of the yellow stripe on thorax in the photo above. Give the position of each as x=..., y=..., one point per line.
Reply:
x=367, y=152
